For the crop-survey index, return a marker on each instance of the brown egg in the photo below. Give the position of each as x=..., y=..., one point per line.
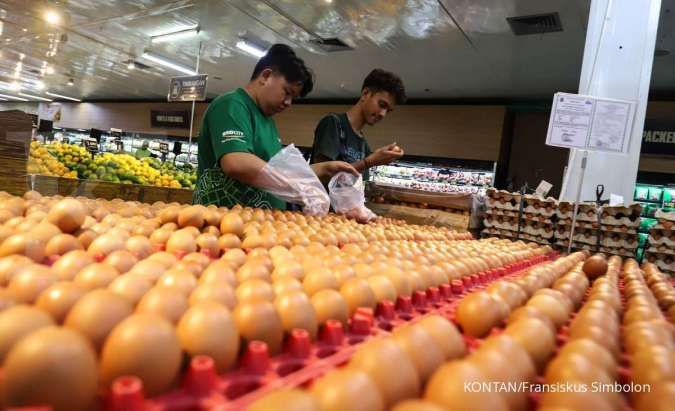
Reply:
x=235, y=257
x=182, y=242
x=501, y=359
x=228, y=241
x=52, y=366
x=191, y=216
x=595, y=267
x=221, y=293
x=255, y=290
x=150, y=269
x=200, y=259
x=167, y=302
x=61, y=244
x=253, y=270
x=232, y=223
x=416, y=405
x=68, y=265
x=28, y=283
x=551, y=307
x=421, y=348
x=530, y=312
x=383, y=358
x=594, y=351
x=218, y=272
x=285, y=400
x=446, y=388
x=121, y=260
x=106, y=244
x=161, y=236
x=285, y=285
x=17, y=322
x=68, y=215
x=445, y=335
x=575, y=366
x=660, y=397
x=477, y=313
x=402, y=283
x=296, y=311
x=576, y=399
x=97, y=275
x=143, y=345
x=59, y=298
x=130, y=286
x=96, y=314
x=6, y=299
x=207, y=328
x=383, y=288
x=180, y=279
x=23, y=244
x=330, y=305
x=347, y=389
x=599, y=335
x=652, y=365
x=319, y=279
x=258, y=320
x=11, y=265
x=357, y=293
x=288, y=268
x=559, y=296
x=535, y=337
x=139, y=245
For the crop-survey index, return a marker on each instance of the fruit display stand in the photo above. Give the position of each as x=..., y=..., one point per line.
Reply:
x=419, y=207
x=15, y=134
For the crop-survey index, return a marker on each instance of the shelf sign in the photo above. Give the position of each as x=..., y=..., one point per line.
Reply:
x=119, y=145
x=590, y=123
x=188, y=88
x=164, y=148
x=170, y=119
x=90, y=145
x=116, y=133
x=659, y=137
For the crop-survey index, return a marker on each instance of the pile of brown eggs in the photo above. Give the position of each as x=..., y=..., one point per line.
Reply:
x=575, y=365
x=91, y=290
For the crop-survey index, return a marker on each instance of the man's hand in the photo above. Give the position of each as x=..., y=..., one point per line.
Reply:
x=385, y=155
x=328, y=169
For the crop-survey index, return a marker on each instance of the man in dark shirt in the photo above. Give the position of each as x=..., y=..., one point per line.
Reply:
x=339, y=136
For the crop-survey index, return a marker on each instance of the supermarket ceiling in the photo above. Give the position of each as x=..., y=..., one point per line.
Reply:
x=441, y=48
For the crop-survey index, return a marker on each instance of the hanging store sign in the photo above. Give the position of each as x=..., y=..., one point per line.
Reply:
x=116, y=133
x=170, y=119
x=659, y=137
x=164, y=148
x=590, y=123
x=188, y=88
x=90, y=145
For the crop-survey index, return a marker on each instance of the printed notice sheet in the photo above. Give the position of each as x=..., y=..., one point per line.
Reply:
x=590, y=123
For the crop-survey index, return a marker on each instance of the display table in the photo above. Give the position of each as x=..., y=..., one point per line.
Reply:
x=455, y=220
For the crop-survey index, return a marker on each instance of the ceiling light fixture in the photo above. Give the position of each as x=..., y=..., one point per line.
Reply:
x=167, y=63
x=175, y=35
x=15, y=86
x=49, y=70
x=35, y=97
x=131, y=65
x=251, y=49
x=52, y=17
x=12, y=97
x=3, y=99
x=71, y=82
x=63, y=97
x=39, y=85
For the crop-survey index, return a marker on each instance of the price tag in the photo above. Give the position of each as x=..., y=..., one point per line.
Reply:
x=543, y=188
x=119, y=145
x=164, y=148
x=91, y=145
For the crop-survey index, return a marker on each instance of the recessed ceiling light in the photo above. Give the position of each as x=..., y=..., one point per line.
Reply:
x=39, y=85
x=168, y=63
x=52, y=17
x=34, y=97
x=49, y=70
x=15, y=86
x=63, y=97
x=12, y=97
x=175, y=35
x=131, y=65
x=250, y=48
x=71, y=82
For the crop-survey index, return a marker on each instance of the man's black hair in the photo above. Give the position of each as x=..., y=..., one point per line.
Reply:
x=281, y=59
x=381, y=80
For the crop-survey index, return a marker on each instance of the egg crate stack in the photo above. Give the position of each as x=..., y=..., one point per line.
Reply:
x=661, y=250
x=620, y=225
x=500, y=225
x=502, y=200
x=502, y=216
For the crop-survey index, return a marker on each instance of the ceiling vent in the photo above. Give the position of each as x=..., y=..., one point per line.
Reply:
x=331, y=45
x=535, y=24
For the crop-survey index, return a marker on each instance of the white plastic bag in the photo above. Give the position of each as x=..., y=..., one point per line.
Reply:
x=288, y=176
x=346, y=197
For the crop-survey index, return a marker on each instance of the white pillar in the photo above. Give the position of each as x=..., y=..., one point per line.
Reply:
x=617, y=63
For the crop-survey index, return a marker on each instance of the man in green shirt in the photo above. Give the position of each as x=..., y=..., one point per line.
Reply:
x=238, y=135
x=340, y=136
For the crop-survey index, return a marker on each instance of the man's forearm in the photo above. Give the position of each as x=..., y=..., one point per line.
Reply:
x=361, y=165
x=243, y=167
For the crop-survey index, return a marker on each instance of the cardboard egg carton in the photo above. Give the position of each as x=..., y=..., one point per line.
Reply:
x=501, y=212
x=659, y=237
x=501, y=222
x=585, y=236
x=535, y=239
x=619, y=229
x=622, y=216
x=665, y=262
x=539, y=230
x=587, y=225
x=502, y=199
x=616, y=240
x=587, y=211
x=538, y=218
x=541, y=206
x=666, y=220
x=661, y=249
x=623, y=252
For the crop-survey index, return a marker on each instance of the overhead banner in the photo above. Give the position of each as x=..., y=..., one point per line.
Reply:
x=188, y=88
x=170, y=119
x=659, y=137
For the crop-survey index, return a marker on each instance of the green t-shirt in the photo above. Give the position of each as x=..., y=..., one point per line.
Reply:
x=233, y=123
x=335, y=139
